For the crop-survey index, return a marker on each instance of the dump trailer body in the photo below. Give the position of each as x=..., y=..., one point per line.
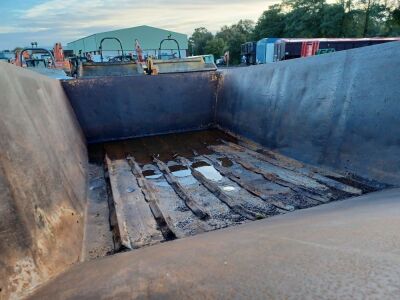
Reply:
x=42, y=181
x=324, y=118
x=243, y=145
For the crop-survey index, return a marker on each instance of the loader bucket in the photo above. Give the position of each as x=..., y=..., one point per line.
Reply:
x=101, y=69
x=195, y=64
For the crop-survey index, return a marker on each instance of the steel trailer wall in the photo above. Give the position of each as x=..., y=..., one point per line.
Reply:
x=42, y=181
x=113, y=108
x=340, y=110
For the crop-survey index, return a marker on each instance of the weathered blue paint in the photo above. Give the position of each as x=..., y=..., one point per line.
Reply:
x=265, y=50
x=111, y=108
x=341, y=110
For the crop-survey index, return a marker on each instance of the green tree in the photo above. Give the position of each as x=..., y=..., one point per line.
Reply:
x=332, y=21
x=270, y=24
x=368, y=18
x=234, y=36
x=304, y=17
x=393, y=22
x=395, y=15
x=216, y=46
x=198, y=41
x=351, y=19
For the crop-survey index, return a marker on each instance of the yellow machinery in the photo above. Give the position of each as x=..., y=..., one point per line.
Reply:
x=124, y=65
x=180, y=65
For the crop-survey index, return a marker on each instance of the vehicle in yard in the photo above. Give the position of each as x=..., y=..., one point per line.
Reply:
x=269, y=50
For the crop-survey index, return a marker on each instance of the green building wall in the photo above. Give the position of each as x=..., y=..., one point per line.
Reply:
x=149, y=39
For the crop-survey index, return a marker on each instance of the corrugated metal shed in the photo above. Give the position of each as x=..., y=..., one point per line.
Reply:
x=149, y=38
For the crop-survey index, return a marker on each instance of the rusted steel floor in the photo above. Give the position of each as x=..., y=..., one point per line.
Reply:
x=169, y=187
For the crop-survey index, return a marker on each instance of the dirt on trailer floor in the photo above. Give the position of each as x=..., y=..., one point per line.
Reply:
x=154, y=189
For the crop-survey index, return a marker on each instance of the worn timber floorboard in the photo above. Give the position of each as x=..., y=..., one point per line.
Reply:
x=174, y=186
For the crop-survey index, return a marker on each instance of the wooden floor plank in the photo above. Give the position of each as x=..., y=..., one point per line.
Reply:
x=287, y=160
x=288, y=175
x=219, y=193
x=249, y=187
x=162, y=218
x=290, y=164
x=136, y=223
x=309, y=193
x=98, y=238
x=190, y=202
x=300, y=179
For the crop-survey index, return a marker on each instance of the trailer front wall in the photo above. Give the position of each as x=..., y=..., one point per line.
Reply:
x=340, y=110
x=113, y=108
x=42, y=181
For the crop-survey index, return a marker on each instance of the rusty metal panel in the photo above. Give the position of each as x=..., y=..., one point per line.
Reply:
x=190, y=64
x=112, y=108
x=340, y=110
x=98, y=69
x=42, y=181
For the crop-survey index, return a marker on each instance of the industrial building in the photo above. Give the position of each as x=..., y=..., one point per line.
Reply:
x=148, y=37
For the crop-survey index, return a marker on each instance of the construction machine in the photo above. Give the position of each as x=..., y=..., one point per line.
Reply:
x=60, y=61
x=139, y=64
x=43, y=61
x=174, y=63
x=119, y=65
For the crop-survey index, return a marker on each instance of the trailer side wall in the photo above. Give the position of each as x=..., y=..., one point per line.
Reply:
x=42, y=181
x=340, y=110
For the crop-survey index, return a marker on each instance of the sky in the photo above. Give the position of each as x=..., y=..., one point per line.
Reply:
x=50, y=21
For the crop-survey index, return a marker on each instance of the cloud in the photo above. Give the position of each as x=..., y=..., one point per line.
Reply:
x=15, y=29
x=69, y=20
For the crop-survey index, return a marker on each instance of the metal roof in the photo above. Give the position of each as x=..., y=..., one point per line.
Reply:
x=149, y=38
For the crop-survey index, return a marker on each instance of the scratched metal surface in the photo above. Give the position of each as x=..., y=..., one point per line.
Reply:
x=42, y=181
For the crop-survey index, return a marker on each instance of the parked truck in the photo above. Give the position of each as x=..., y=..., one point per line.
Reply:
x=274, y=181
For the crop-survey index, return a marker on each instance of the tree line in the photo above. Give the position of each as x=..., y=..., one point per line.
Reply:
x=303, y=18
